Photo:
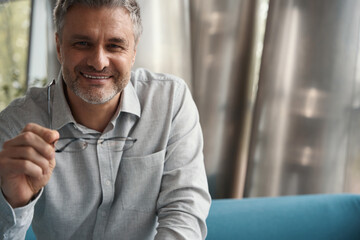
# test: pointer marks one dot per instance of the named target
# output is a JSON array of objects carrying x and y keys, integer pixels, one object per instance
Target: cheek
[
  {"x": 71, "y": 58},
  {"x": 122, "y": 64}
]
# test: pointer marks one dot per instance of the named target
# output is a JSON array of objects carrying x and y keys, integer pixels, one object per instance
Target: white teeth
[{"x": 94, "y": 77}]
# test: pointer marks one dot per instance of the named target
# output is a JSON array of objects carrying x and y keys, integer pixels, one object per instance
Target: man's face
[{"x": 96, "y": 50}]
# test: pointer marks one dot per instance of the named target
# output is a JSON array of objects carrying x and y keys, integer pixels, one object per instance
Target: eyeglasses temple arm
[{"x": 49, "y": 109}]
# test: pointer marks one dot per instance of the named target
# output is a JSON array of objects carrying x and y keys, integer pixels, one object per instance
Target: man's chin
[{"x": 96, "y": 98}]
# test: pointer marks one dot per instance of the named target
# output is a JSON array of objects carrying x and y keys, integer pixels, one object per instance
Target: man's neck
[{"x": 93, "y": 116}]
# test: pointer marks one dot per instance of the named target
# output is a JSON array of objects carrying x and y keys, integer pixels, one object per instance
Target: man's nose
[{"x": 98, "y": 59}]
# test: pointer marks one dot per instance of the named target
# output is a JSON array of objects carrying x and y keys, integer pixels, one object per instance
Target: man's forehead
[
  {"x": 83, "y": 20},
  {"x": 86, "y": 12}
]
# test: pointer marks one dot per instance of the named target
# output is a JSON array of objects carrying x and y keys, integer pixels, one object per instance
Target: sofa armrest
[{"x": 30, "y": 234}]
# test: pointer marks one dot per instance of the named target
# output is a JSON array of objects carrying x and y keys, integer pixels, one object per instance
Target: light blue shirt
[{"x": 155, "y": 190}]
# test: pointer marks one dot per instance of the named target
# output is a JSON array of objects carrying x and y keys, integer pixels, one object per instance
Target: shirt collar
[
  {"x": 129, "y": 100},
  {"x": 61, "y": 113}
]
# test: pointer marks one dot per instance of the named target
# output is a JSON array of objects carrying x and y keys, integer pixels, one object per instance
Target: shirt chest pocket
[{"x": 139, "y": 181}]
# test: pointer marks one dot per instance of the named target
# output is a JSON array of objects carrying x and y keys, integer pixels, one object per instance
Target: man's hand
[{"x": 26, "y": 164}]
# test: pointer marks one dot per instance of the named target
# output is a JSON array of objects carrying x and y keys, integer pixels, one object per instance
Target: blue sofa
[{"x": 330, "y": 217}]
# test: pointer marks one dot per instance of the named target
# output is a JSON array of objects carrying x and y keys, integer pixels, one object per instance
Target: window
[{"x": 14, "y": 42}]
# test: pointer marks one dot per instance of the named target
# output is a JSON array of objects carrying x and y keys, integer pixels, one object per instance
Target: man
[{"x": 102, "y": 152}]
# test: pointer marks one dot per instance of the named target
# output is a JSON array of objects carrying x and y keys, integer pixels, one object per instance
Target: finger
[
  {"x": 30, "y": 139},
  {"x": 52, "y": 164},
  {"x": 47, "y": 134},
  {"x": 13, "y": 167},
  {"x": 28, "y": 154}
]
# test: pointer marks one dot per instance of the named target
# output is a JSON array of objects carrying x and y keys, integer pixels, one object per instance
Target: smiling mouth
[{"x": 95, "y": 76}]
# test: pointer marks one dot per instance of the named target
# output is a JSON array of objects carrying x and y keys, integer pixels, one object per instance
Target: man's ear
[
  {"x": 58, "y": 47},
  {"x": 133, "y": 60},
  {"x": 134, "y": 57}
]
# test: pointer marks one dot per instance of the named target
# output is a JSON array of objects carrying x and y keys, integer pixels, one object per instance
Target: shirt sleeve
[
  {"x": 184, "y": 200},
  {"x": 15, "y": 222}
]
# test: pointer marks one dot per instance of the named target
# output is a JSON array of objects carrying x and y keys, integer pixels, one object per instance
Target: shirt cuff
[
  {"x": 21, "y": 216},
  {"x": 7, "y": 215},
  {"x": 25, "y": 214}
]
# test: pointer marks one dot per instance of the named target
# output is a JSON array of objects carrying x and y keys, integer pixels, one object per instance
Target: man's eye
[
  {"x": 82, "y": 44},
  {"x": 114, "y": 46}
]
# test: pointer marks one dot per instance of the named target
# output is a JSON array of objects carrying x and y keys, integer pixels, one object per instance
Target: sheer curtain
[
  {"x": 224, "y": 37},
  {"x": 305, "y": 137}
]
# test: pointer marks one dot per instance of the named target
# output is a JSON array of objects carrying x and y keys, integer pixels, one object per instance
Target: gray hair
[{"x": 131, "y": 6}]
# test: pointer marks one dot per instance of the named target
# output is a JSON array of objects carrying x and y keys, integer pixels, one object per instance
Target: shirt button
[{"x": 107, "y": 182}]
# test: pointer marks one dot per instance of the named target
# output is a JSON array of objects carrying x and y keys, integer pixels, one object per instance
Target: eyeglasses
[
  {"x": 73, "y": 144},
  {"x": 116, "y": 144}
]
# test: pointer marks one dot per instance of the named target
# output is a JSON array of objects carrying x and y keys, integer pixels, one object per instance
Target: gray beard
[
  {"x": 99, "y": 96},
  {"x": 89, "y": 97}
]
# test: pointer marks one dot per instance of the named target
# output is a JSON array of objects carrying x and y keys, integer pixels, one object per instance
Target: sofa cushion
[{"x": 324, "y": 216}]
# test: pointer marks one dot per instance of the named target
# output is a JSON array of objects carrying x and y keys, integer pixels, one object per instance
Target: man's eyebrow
[
  {"x": 122, "y": 41},
  {"x": 80, "y": 36}
]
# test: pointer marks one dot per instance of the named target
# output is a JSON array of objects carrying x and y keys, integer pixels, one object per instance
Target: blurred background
[{"x": 276, "y": 82}]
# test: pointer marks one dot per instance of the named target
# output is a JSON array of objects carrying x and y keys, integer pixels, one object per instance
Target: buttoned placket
[
  {"x": 107, "y": 179},
  {"x": 109, "y": 162}
]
